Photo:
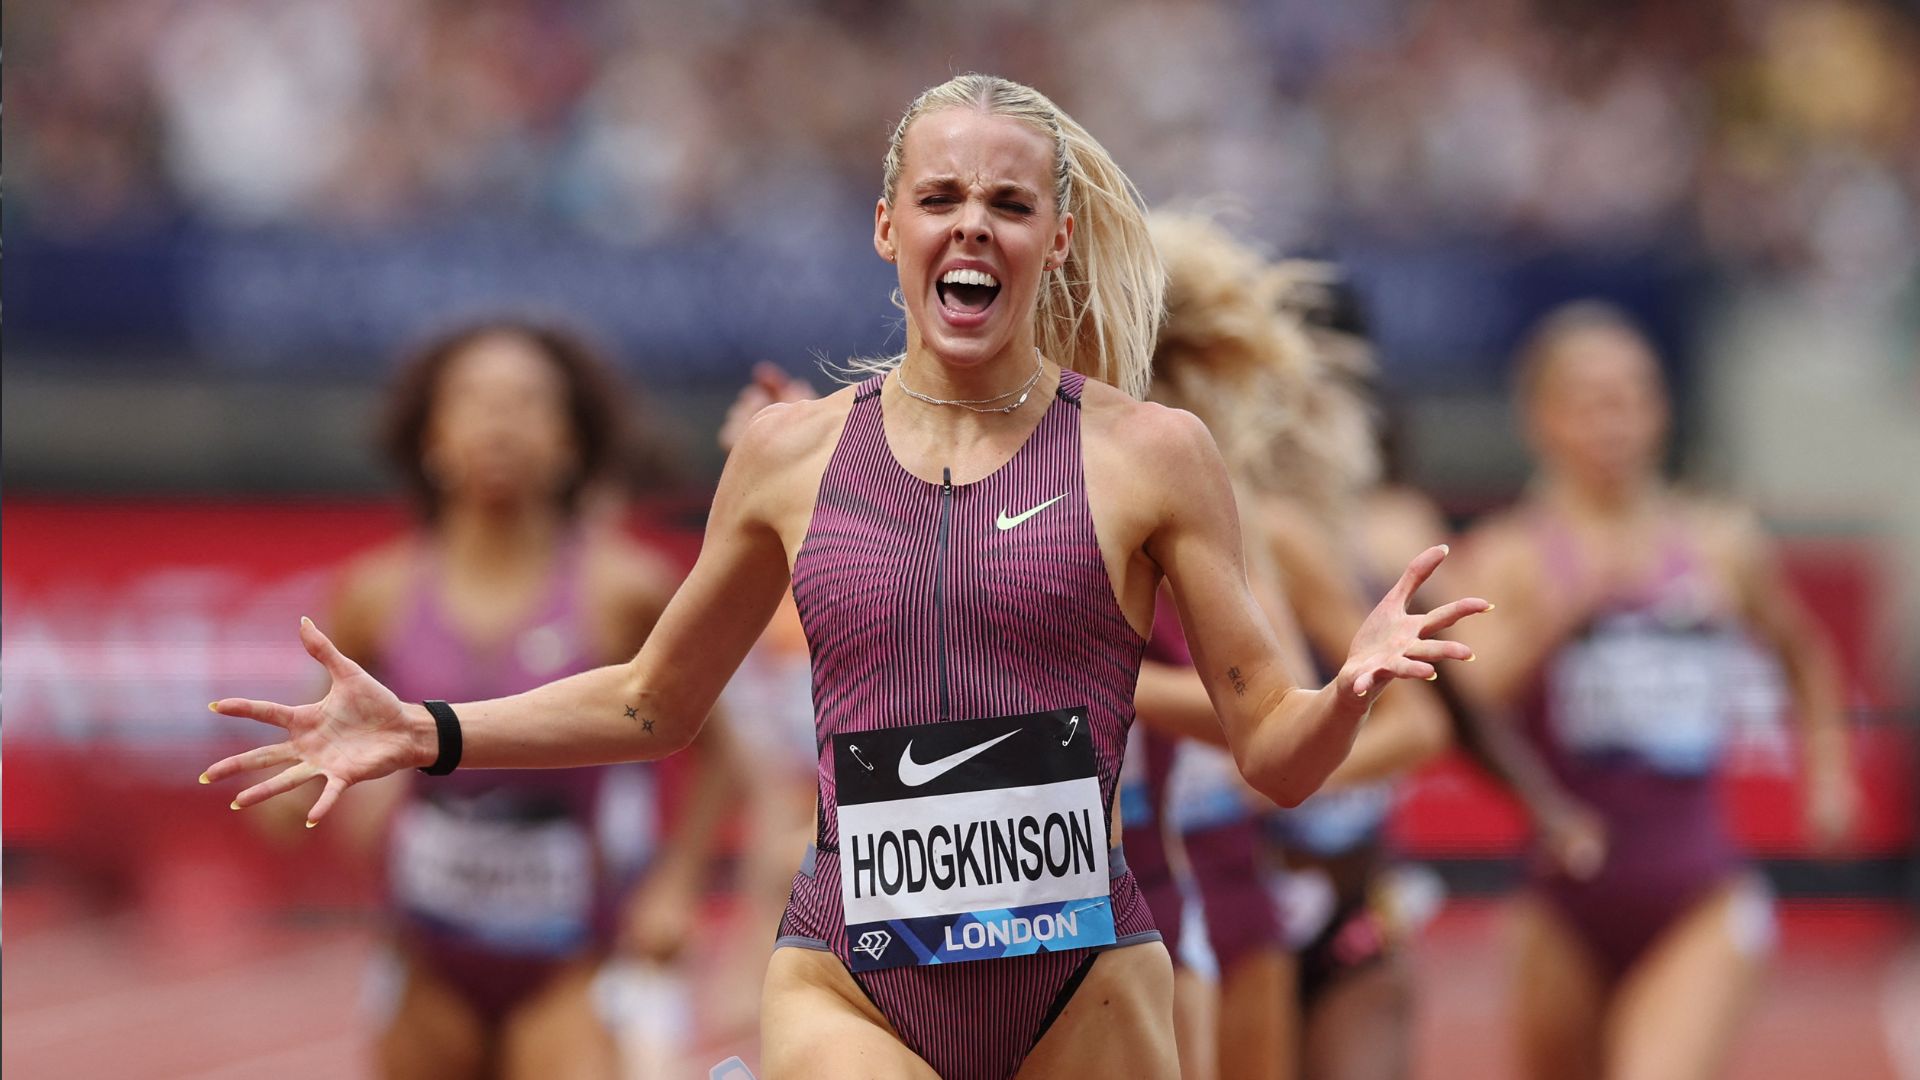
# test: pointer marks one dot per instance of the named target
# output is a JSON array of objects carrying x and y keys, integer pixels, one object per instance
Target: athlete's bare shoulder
[
  {"x": 1715, "y": 515},
  {"x": 369, "y": 593},
  {"x": 1504, "y": 530},
  {"x": 1146, "y": 437},
  {"x": 1502, "y": 551},
  {"x": 788, "y": 431},
  {"x": 628, "y": 585},
  {"x": 1147, "y": 466},
  {"x": 776, "y": 466},
  {"x": 628, "y": 567},
  {"x": 1729, "y": 532}
]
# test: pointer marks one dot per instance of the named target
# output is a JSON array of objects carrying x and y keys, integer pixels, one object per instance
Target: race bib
[
  {"x": 1644, "y": 691},
  {"x": 972, "y": 839},
  {"x": 517, "y": 886}
]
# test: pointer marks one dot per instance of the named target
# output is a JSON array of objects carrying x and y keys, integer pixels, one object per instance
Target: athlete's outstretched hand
[
  {"x": 357, "y": 732},
  {"x": 1395, "y": 644}
]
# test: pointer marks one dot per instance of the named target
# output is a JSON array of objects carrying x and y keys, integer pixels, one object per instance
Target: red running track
[{"x": 117, "y": 996}]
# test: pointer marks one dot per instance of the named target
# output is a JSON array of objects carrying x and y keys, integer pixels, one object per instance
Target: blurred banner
[
  {"x": 125, "y": 617},
  {"x": 286, "y": 302}
]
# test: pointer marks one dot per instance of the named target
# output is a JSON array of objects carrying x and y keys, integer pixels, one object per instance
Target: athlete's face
[
  {"x": 973, "y": 226},
  {"x": 1599, "y": 408},
  {"x": 499, "y": 431}
]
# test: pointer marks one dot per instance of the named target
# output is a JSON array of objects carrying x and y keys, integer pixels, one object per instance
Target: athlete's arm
[
  {"x": 1774, "y": 612},
  {"x": 1285, "y": 739},
  {"x": 1173, "y": 701},
  {"x": 1500, "y": 561},
  {"x": 646, "y": 708},
  {"x": 660, "y": 912},
  {"x": 1406, "y": 726}
]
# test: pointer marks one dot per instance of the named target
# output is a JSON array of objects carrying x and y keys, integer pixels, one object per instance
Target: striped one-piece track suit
[{"x": 939, "y": 602}]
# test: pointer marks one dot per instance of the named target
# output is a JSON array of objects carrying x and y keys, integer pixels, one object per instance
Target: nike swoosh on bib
[
  {"x": 914, "y": 773},
  {"x": 1004, "y": 522}
]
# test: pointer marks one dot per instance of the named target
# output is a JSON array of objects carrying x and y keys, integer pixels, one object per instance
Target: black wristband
[{"x": 448, "y": 726}]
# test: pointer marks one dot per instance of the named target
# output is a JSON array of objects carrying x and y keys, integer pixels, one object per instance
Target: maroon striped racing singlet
[{"x": 973, "y": 681}]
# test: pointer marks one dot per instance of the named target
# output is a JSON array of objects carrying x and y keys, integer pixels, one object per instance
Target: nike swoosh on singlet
[
  {"x": 914, "y": 773},
  {"x": 1004, "y": 522}
]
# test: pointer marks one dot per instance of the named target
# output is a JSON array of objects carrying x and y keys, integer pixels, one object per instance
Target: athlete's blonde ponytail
[
  {"x": 1289, "y": 412},
  {"x": 1098, "y": 313}
]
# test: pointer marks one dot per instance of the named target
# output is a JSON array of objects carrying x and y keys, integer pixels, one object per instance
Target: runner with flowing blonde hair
[{"x": 974, "y": 537}]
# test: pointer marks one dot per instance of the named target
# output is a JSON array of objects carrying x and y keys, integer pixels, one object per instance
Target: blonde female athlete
[
  {"x": 1285, "y": 402},
  {"x": 974, "y": 536}
]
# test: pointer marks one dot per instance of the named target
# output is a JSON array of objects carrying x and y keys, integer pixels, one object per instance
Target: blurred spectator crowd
[{"x": 1781, "y": 135}]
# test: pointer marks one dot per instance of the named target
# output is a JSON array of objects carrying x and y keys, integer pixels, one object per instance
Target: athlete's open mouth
[{"x": 968, "y": 291}]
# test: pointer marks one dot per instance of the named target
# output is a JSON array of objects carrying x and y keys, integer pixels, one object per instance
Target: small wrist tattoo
[{"x": 1239, "y": 681}]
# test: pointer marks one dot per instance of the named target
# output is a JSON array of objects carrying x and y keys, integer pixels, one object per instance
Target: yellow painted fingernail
[
  {"x": 304, "y": 621},
  {"x": 311, "y": 824},
  {"x": 213, "y": 706},
  {"x": 234, "y": 805},
  {"x": 1435, "y": 677},
  {"x": 1489, "y": 607},
  {"x": 1445, "y": 550},
  {"x": 1471, "y": 658},
  {"x": 205, "y": 779}
]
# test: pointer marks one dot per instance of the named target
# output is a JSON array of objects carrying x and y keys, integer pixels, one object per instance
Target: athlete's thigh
[
  {"x": 816, "y": 1022},
  {"x": 1360, "y": 1027},
  {"x": 1676, "y": 1013},
  {"x": 1259, "y": 1017},
  {"x": 1196, "y": 1001},
  {"x": 433, "y": 1033},
  {"x": 1558, "y": 998},
  {"x": 558, "y": 1032},
  {"x": 1118, "y": 1023}
]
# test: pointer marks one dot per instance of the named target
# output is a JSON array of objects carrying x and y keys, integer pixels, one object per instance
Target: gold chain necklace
[{"x": 979, "y": 405}]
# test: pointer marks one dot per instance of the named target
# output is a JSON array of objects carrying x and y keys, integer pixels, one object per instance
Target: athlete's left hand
[{"x": 1395, "y": 644}]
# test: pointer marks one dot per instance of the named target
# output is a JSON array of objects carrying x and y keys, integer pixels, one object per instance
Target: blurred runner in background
[
  {"x": 1348, "y": 908},
  {"x": 1625, "y": 605},
  {"x": 769, "y": 704},
  {"x": 509, "y": 890},
  {"x": 1285, "y": 404}
]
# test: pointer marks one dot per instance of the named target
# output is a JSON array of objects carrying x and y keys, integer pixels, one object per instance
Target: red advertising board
[{"x": 124, "y": 617}]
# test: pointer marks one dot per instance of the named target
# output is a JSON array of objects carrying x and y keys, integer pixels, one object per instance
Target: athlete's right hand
[
  {"x": 1575, "y": 838},
  {"x": 359, "y": 731}
]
